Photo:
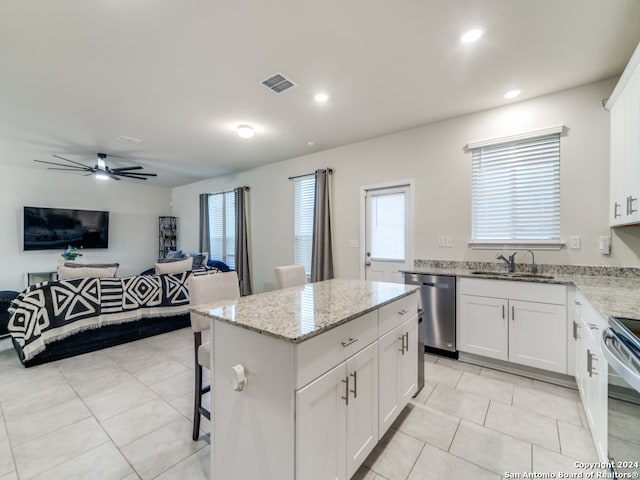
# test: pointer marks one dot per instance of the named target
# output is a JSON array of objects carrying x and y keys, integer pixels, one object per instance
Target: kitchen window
[
  {"x": 222, "y": 227},
  {"x": 305, "y": 196},
  {"x": 516, "y": 190}
]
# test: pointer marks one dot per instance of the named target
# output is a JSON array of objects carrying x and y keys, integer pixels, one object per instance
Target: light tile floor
[{"x": 124, "y": 413}]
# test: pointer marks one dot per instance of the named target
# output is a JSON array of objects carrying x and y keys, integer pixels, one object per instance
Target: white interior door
[{"x": 387, "y": 229}]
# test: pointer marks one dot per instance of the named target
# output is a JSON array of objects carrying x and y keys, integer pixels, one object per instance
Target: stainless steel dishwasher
[{"x": 438, "y": 300}]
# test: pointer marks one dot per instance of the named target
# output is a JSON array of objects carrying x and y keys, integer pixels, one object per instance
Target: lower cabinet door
[
  {"x": 362, "y": 410},
  {"x": 321, "y": 427},
  {"x": 389, "y": 369},
  {"x": 409, "y": 360},
  {"x": 483, "y": 326},
  {"x": 538, "y": 335}
]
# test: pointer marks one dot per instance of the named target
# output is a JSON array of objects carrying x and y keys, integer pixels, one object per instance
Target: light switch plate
[
  {"x": 574, "y": 241},
  {"x": 441, "y": 241},
  {"x": 449, "y": 240}
]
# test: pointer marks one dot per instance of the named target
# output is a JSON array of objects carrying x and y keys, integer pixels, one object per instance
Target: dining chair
[
  {"x": 206, "y": 289},
  {"x": 290, "y": 276}
]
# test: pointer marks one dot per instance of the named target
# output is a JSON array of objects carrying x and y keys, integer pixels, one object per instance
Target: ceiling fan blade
[
  {"x": 137, "y": 173},
  {"x": 132, "y": 176},
  {"x": 122, "y": 169},
  {"x": 69, "y": 169},
  {"x": 72, "y": 161},
  {"x": 112, "y": 176},
  {"x": 61, "y": 164}
]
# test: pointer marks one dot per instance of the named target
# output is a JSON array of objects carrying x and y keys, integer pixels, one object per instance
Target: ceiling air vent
[{"x": 278, "y": 83}]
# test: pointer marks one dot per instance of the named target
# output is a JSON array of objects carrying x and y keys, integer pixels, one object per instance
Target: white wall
[
  {"x": 433, "y": 155},
  {"x": 133, "y": 220}
]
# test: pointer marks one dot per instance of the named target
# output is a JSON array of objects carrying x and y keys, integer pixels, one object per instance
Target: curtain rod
[
  {"x": 329, "y": 170},
  {"x": 227, "y": 191}
]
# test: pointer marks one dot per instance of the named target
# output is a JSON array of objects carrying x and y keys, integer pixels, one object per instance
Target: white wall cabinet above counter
[{"x": 624, "y": 188}]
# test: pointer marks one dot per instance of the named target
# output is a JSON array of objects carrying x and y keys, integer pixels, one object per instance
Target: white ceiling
[{"x": 75, "y": 75}]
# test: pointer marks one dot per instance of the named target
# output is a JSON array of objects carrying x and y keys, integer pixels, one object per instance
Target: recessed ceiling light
[
  {"x": 245, "y": 130},
  {"x": 471, "y": 36},
  {"x": 512, "y": 94},
  {"x": 321, "y": 97}
]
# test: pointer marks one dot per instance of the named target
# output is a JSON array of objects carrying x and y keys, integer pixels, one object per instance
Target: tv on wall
[{"x": 54, "y": 228}]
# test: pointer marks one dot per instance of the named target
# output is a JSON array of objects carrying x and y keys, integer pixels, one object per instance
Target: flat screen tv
[{"x": 55, "y": 228}]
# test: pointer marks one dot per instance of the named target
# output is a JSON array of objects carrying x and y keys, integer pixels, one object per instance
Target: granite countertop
[
  {"x": 299, "y": 313},
  {"x": 612, "y": 291}
]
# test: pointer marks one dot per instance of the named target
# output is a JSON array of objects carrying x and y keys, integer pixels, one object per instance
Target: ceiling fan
[{"x": 100, "y": 170}]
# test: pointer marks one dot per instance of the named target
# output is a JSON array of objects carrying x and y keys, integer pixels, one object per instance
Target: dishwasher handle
[{"x": 436, "y": 285}]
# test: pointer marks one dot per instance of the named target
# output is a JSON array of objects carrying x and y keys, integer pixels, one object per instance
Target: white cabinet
[
  {"x": 514, "y": 321},
  {"x": 337, "y": 419},
  {"x": 398, "y": 371},
  {"x": 483, "y": 326},
  {"x": 592, "y": 371},
  {"x": 624, "y": 188}
]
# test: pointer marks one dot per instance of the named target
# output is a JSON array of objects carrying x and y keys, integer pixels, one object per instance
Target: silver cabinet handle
[
  {"x": 503, "y": 312},
  {"x": 355, "y": 384},
  {"x": 575, "y": 331},
  {"x": 631, "y": 209},
  {"x": 401, "y": 338},
  {"x": 349, "y": 342},
  {"x": 593, "y": 326},
  {"x": 616, "y": 206},
  {"x": 403, "y": 312},
  {"x": 577, "y": 302},
  {"x": 346, "y": 397},
  {"x": 513, "y": 312},
  {"x": 406, "y": 335},
  {"x": 590, "y": 359}
]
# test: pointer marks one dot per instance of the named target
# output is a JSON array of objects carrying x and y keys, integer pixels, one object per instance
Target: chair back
[
  {"x": 210, "y": 288},
  {"x": 290, "y": 276}
]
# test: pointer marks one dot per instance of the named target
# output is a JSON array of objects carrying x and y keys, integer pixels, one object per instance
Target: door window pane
[{"x": 388, "y": 227}]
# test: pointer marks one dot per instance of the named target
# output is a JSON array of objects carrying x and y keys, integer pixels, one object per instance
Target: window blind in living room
[
  {"x": 305, "y": 194},
  {"x": 222, "y": 227}
]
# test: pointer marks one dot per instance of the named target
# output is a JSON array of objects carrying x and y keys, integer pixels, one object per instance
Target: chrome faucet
[
  {"x": 533, "y": 262},
  {"x": 510, "y": 262}
]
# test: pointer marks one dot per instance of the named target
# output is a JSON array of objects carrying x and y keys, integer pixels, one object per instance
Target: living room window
[
  {"x": 222, "y": 227},
  {"x": 516, "y": 190},
  {"x": 305, "y": 195}
]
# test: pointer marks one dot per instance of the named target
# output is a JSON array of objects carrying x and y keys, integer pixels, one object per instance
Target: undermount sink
[{"x": 512, "y": 275}]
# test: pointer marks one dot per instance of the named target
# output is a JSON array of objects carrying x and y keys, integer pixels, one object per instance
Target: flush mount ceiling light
[
  {"x": 321, "y": 97},
  {"x": 245, "y": 130},
  {"x": 472, "y": 35},
  {"x": 512, "y": 94}
]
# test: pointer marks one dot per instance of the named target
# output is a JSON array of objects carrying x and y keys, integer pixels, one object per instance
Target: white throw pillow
[
  {"x": 65, "y": 273},
  {"x": 174, "y": 267}
]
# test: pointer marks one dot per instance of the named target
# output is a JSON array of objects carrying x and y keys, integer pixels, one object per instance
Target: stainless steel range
[{"x": 621, "y": 348}]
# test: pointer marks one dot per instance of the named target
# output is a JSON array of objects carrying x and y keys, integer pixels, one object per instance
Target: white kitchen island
[{"x": 329, "y": 366}]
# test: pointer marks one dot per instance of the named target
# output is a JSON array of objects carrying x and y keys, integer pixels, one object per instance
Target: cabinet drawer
[
  {"x": 321, "y": 353},
  {"x": 395, "y": 313}
]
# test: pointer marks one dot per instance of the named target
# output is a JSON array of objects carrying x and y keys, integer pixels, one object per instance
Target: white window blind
[
  {"x": 516, "y": 191},
  {"x": 305, "y": 195},
  {"x": 222, "y": 227}
]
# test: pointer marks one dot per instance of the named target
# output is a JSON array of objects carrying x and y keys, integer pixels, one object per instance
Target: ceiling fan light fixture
[
  {"x": 101, "y": 176},
  {"x": 245, "y": 130}
]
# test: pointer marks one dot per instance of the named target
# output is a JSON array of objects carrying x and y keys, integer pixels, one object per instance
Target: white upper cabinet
[{"x": 624, "y": 188}]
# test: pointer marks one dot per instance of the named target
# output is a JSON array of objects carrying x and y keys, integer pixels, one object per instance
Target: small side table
[{"x": 37, "y": 277}]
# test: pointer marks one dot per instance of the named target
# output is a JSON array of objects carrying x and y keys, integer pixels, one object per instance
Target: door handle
[
  {"x": 355, "y": 384},
  {"x": 349, "y": 342},
  {"x": 346, "y": 397},
  {"x": 367, "y": 263}
]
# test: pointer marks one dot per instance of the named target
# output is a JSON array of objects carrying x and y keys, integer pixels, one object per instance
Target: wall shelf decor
[{"x": 167, "y": 237}]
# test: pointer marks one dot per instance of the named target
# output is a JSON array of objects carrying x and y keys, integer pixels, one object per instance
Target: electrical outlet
[
  {"x": 449, "y": 240},
  {"x": 574, "y": 241},
  {"x": 441, "y": 241}
]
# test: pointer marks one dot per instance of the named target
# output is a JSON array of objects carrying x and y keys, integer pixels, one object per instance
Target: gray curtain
[
  {"x": 204, "y": 222},
  {"x": 242, "y": 241},
  {"x": 321, "y": 251}
]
